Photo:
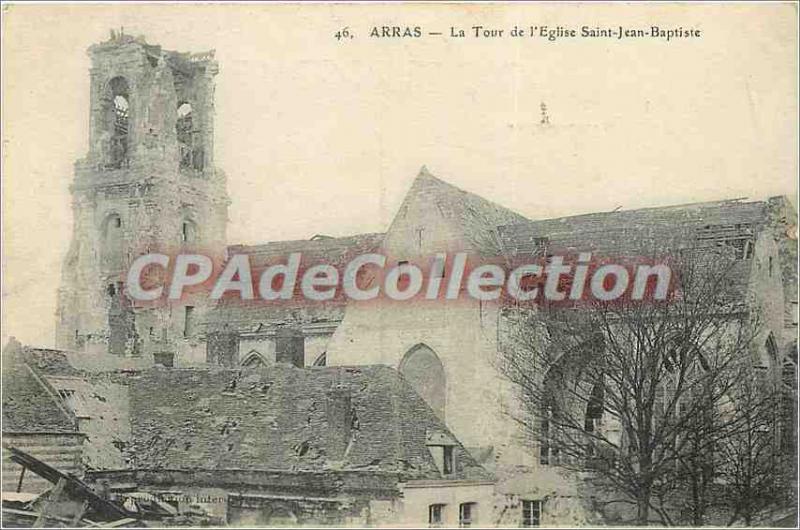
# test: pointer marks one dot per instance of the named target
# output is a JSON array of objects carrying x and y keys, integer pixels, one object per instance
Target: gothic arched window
[
  {"x": 424, "y": 371},
  {"x": 117, "y": 115},
  {"x": 254, "y": 359}
]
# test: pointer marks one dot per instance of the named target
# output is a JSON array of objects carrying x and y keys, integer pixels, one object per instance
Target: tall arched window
[
  {"x": 424, "y": 371},
  {"x": 771, "y": 347},
  {"x": 117, "y": 112}
]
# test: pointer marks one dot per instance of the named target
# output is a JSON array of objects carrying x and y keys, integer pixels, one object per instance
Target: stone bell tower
[{"x": 147, "y": 184}]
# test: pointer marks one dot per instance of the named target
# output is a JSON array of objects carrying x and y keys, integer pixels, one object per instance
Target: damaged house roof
[
  {"x": 30, "y": 403},
  {"x": 98, "y": 398},
  {"x": 280, "y": 419}
]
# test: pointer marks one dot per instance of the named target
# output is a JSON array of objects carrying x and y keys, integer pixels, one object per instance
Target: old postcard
[{"x": 399, "y": 265}]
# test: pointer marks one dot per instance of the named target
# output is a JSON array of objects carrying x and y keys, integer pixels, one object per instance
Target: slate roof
[
  {"x": 476, "y": 217},
  {"x": 275, "y": 419},
  {"x": 332, "y": 250},
  {"x": 247, "y": 316},
  {"x": 50, "y": 362},
  {"x": 633, "y": 233},
  {"x": 30, "y": 404}
]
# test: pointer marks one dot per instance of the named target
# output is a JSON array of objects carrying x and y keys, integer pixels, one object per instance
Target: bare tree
[
  {"x": 622, "y": 392},
  {"x": 751, "y": 463}
]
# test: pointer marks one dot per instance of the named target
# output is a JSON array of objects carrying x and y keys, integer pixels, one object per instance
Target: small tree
[{"x": 622, "y": 391}]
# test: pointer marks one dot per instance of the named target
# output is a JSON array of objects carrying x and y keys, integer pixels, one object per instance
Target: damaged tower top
[
  {"x": 150, "y": 105},
  {"x": 148, "y": 183}
]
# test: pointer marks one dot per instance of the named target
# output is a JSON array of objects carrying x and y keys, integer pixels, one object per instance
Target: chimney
[
  {"x": 222, "y": 347},
  {"x": 290, "y": 346},
  {"x": 339, "y": 416}
]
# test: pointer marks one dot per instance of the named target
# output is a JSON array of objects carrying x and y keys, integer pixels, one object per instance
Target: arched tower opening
[
  {"x": 189, "y": 138},
  {"x": 116, "y": 106}
]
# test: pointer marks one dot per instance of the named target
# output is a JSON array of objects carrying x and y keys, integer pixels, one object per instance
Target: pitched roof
[
  {"x": 275, "y": 419},
  {"x": 50, "y": 362},
  {"x": 332, "y": 250},
  {"x": 30, "y": 404},
  {"x": 633, "y": 233},
  {"x": 475, "y": 216},
  {"x": 245, "y": 316}
]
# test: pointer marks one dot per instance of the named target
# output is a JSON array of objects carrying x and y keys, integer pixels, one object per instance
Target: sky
[{"x": 324, "y": 136}]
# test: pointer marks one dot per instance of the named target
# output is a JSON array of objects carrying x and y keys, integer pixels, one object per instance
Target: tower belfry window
[
  {"x": 118, "y": 123},
  {"x": 189, "y": 140}
]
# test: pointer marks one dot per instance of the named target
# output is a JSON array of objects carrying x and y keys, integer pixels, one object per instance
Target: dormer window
[
  {"x": 442, "y": 447},
  {"x": 448, "y": 460}
]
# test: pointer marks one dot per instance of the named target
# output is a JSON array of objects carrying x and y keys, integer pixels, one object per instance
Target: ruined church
[{"x": 149, "y": 183}]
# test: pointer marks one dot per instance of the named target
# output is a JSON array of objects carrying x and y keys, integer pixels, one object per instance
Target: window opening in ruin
[
  {"x": 531, "y": 513},
  {"x": 119, "y": 127},
  {"x": 189, "y": 144},
  {"x": 112, "y": 243},
  {"x": 184, "y": 131},
  {"x": 165, "y": 359},
  {"x": 188, "y": 232},
  {"x": 467, "y": 514},
  {"x": 549, "y": 451},
  {"x": 188, "y": 321},
  {"x": 435, "y": 515}
]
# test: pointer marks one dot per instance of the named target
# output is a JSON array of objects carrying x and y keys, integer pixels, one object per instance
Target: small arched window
[{"x": 117, "y": 113}]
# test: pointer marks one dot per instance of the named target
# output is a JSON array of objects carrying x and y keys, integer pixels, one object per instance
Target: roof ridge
[
  {"x": 322, "y": 240},
  {"x": 737, "y": 201}
]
